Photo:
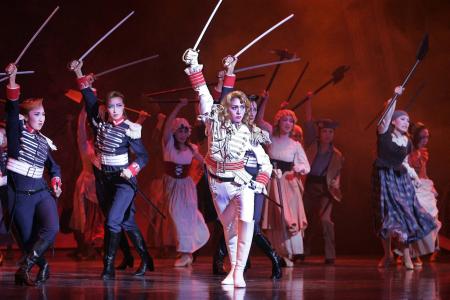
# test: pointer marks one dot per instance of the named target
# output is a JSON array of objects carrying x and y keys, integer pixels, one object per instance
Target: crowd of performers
[{"x": 272, "y": 183}]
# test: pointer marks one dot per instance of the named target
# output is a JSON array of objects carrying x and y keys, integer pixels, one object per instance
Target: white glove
[
  {"x": 417, "y": 183},
  {"x": 258, "y": 187},
  {"x": 278, "y": 173},
  {"x": 399, "y": 90},
  {"x": 190, "y": 57},
  {"x": 57, "y": 191},
  {"x": 126, "y": 173}
]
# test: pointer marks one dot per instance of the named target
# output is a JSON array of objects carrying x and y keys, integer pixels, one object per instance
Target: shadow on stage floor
[{"x": 350, "y": 278}]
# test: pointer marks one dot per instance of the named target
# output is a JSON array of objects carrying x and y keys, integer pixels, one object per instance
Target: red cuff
[
  {"x": 262, "y": 178},
  {"x": 85, "y": 81},
  {"x": 197, "y": 79},
  {"x": 12, "y": 93},
  {"x": 56, "y": 182},
  {"x": 229, "y": 80},
  {"x": 134, "y": 168}
]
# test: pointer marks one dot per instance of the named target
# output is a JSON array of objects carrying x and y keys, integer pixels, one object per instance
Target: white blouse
[{"x": 290, "y": 151}]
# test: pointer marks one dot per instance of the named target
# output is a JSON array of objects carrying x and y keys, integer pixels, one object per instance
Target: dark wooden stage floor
[{"x": 351, "y": 278}]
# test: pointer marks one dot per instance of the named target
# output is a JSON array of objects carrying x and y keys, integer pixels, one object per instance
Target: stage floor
[{"x": 350, "y": 278}]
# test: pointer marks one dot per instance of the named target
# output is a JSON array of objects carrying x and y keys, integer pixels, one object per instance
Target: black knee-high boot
[
  {"x": 219, "y": 255},
  {"x": 23, "y": 275},
  {"x": 263, "y": 243},
  {"x": 128, "y": 259},
  {"x": 112, "y": 240},
  {"x": 139, "y": 243}
]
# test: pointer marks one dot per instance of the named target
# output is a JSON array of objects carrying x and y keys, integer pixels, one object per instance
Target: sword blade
[
  {"x": 263, "y": 35},
  {"x": 35, "y": 35},
  {"x": 274, "y": 63},
  {"x": 125, "y": 65},
  {"x": 207, "y": 24},
  {"x": 105, "y": 36}
]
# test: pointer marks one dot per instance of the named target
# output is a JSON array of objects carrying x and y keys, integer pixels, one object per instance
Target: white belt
[
  {"x": 24, "y": 168},
  {"x": 114, "y": 160}
]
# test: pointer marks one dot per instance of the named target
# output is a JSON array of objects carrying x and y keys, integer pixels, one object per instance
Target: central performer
[{"x": 230, "y": 135}]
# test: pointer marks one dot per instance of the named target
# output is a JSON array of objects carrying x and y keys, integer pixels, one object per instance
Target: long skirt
[
  {"x": 285, "y": 234},
  {"x": 397, "y": 212},
  {"x": 181, "y": 198},
  {"x": 426, "y": 194},
  {"x": 87, "y": 217}
]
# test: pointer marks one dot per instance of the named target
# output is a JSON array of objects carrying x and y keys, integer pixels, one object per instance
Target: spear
[
  {"x": 421, "y": 53},
  {"x": 336, "y": 76}
]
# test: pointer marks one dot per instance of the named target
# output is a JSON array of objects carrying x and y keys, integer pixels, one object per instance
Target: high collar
[
  {"x": 30, "y": 129},
  {"x": 118, "y": 122}
]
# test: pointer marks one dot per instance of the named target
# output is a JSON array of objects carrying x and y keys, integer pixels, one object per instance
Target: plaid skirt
[{"x": 398, "y": 213}]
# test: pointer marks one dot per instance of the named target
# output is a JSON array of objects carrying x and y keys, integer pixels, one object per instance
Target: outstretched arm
[
  {"x": 167, "y": 132},
  {"x": 85, "y": 86},
  {"x": 260, "y": 121},
  {"x": 12, "y": 112},
  {"x": 310, "y": 133},
  {"x": 384, "y": 126},
  {"x": 194, "y": 71}
]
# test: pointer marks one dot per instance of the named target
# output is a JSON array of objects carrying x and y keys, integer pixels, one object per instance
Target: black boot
[
  {"x": 248, "y": 264},
  {"x": 263, "y": 243},
  {"x": 23, "y": 275},
  {"x": 44, "y": 270},
  {"x": 112, "y": 240},
  {"x": 128, "y": 259},
  {"x": 219, "y": 256},
  {"x": 146, "y": 260}
]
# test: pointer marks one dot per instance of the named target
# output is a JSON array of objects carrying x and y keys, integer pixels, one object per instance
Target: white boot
[
  {"x": 232, "y": 245},
  {"x": 245, "y": 236}
]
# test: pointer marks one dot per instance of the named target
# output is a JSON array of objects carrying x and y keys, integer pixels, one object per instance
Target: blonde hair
[
  {"x": 276, "y": 120},
  {"x": 226, "y": 103}
]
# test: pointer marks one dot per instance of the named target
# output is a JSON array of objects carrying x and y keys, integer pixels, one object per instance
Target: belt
[
  {"x": 30, "y": 192},
  {"x": 114, "y": 160},
  {"x": 221, "y": 179},
  {"x": 24, "y": 168},
  {"x": 284, "y": 166},
  {"x": 221, "y": 166}
]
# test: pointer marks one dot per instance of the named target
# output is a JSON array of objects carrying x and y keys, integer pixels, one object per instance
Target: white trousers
[{"x": 232, "y": 202}]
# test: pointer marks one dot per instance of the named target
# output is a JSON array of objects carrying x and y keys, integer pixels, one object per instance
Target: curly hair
[
  {"x": 226, "y": 103},
  {"x": 276, "y": 120}
]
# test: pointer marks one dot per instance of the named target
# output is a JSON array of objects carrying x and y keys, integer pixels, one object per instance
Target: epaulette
[
  {"x": 260, "y": 137},
  {"x": 133, "y": 130}
]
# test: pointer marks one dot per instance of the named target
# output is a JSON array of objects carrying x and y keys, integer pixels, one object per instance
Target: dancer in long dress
[
  {"x": 398, "y": 213},
  {"x": 285, "y": 227},
  {"x": 179, "y": 188},
  {"x": 87, "y": 218},
  {"x": 425, "y": 192}
]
